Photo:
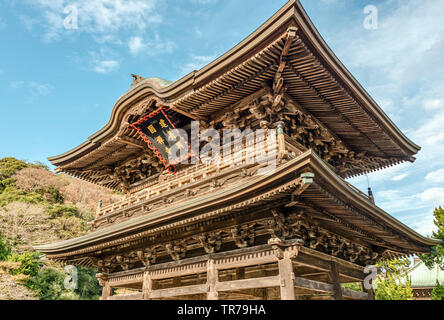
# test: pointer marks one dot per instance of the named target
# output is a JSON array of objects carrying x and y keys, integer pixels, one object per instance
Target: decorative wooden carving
[
  {"x": 279, "y": 226},
  {"x": 147, "y": 256},
  {"x": 211, "y": 241},
  {"x": 243, "y": 236},
  {"x": 177, "y": 249}
]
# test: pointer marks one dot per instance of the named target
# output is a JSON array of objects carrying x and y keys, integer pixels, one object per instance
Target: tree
[
  {"x": 437, "y": 255},
  {"x": 438, "y": 292},
  {"x": 392, "y": 282},
  {"x": 5, "y": 248}
]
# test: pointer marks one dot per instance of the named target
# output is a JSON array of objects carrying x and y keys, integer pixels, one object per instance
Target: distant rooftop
[{"x": 423, "y": 277}]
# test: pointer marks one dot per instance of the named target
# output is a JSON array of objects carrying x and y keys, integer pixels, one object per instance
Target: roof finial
[
  {"x": 136, "y": 79},
  {"x": 370, "y": 192}
]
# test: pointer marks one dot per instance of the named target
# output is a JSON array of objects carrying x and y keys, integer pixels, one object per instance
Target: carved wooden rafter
[
  {"x": 177, "y": 249},
  {"x": 275, "y": 105},
  {"x": 286, "y": 226},
  {"x": 211, "y": 241},
  {"x": 243, "y": 236}
]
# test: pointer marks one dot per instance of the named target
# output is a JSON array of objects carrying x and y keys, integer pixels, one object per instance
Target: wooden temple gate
[
  {"x": 224, "y": 231},
  {"x": 275, "y": 271}
]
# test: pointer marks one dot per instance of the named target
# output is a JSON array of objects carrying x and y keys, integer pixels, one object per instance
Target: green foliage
[
  {"x": 67, "y": 221},
  {"x": 62, "y": 210},
  {"x": 392, "y": 282},
  {"x": 29, "y": 263},
  {"x": 353, "y": 286},
  {"x": 437, "y": 257},
  {"x": 8, "y": 166},
  {"x": 438, "y": 292},
  {"x": 48, "y": 284},
  {"x": 5, "y": 248},
  {"x": 8, "y": 192},
  {"x": 88, "y": 288},
  {"x": 11, "y": 194},
  {"x": 51, "y": 194}
]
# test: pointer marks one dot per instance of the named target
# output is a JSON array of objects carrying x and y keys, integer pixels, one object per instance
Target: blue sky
[{"x": 58, "y": 85}]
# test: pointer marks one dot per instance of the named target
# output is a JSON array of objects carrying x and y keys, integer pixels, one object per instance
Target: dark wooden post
[{"x": 334, "y": 278}]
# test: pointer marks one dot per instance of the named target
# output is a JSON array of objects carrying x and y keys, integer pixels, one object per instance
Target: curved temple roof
[
  {"x": 334, "y": 96},
  {"x": 359, "y": 211},
  {"x": 316, "y": 80}
]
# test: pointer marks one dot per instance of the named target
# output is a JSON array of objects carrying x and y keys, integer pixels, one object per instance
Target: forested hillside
[{"x": 39, "y": 207}]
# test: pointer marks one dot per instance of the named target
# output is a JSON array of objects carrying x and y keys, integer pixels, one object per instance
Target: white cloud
[
  {"x": 41, "y": 89},
  {"x": 204, "y": 2},
  {"x": 105, "y": 66},
  {"x": 408, "y": 42},
  {"x": 400, "y": 177},
  {"x": 424, "y": 224},
  {"x": 431, "y": 133},
  {"x": 434, "y": 196},
  {"x": 17, "y": 84},
  {"x": 104, "y": 61},
  {"x": 434, "y": 104},
  {"x": 135, "y": 45},
  {"x": 196, "y": 63},
  {"x": 31, "y": 90},
  {"x": 102, "y": 17},
  {"x": 436, "y": 176},
  {"x": 153, "y": 46}
]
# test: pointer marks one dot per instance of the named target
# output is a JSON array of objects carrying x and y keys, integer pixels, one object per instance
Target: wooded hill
[{"x": 40, "y": 207}]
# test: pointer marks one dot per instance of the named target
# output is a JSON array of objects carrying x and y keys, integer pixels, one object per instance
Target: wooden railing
[{"x": 168, "y": 183}]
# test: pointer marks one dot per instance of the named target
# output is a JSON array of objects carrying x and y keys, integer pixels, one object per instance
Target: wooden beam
[
  {"x": 187, "y": 114},
  {"x": 313, "y": 285},
  {"x": 176, "y": 292},
  {"x": 132, "y": 142},
  {"x": 132, "y": 296},
  {"x": 327, "y": 288},
  {"x": 255, "y": 283},
  {"x": 319, "y": 261},
  {"x": 353, "y": 294},
  {"x": 125, "y": 283}
]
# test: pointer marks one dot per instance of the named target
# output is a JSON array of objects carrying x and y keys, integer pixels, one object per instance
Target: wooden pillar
[
  {"x": 334, "y": 278},
  {"x": 371, "y": 292},
  {"x": 287, "y": 278},
  {"x": 212, "y": 279},
  {"x": 106, "y": 291},
  {"x": 147, "y": 285}
]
